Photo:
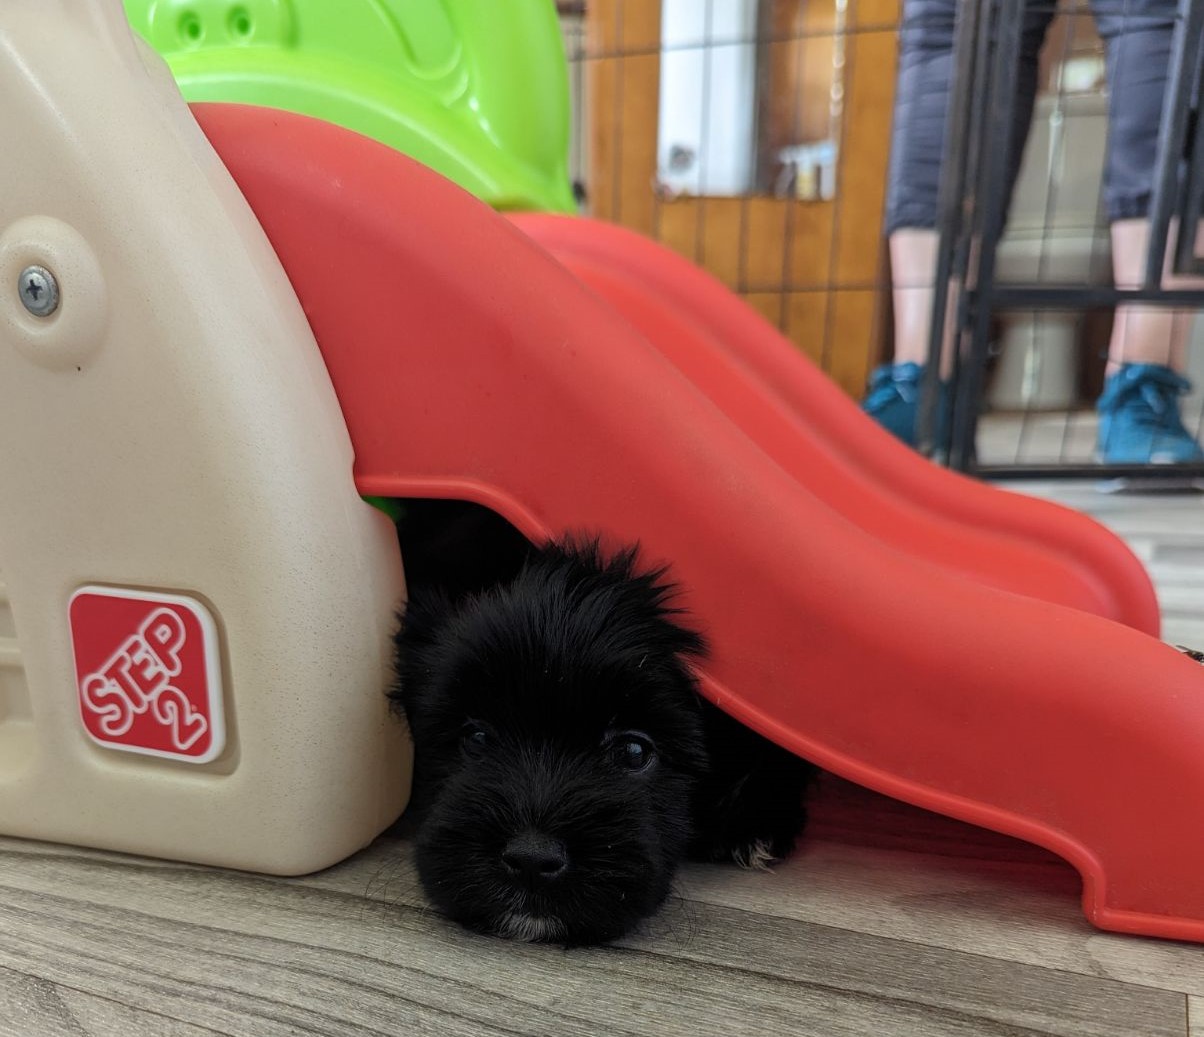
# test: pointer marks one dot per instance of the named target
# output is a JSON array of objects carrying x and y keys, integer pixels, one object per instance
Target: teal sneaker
[
  {"x": 893, "y": 400},
  {"x": 1139, "y": 420}
]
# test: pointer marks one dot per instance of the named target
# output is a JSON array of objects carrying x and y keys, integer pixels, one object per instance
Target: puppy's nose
[{"x": 535, "y": 856}]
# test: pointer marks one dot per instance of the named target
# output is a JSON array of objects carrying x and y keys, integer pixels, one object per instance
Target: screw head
[{"x": 39, "y": 291}]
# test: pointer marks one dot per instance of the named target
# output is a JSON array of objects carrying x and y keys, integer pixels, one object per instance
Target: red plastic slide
[
  {"x": 468, "y": 362},
  {"x": 792, "y": 409}
]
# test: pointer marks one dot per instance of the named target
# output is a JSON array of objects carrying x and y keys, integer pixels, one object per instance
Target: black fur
[{"x": 565, "y": 762}]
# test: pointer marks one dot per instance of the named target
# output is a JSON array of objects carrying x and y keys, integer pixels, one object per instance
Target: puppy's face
[{"x": 558, "y": 743}]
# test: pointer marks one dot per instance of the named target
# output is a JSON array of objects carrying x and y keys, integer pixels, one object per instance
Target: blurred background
[{"x": 753, "y": 136}]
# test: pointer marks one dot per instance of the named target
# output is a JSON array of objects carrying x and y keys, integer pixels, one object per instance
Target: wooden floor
[{"x": 889, "y": 921}]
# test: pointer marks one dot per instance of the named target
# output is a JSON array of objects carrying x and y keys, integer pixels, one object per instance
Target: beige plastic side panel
[{"x": 172, "y": 428}]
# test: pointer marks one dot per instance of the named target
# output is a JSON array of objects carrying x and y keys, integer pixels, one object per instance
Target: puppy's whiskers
[
  {"x": 393, "y": 883},
  {"x": 677, "y": 921}
]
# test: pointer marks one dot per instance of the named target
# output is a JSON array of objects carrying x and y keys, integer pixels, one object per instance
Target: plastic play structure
[
  {"x": 435, "y": 79},
  {"x": 749, "y": 370},
  {"x": 261, "y": 316}
]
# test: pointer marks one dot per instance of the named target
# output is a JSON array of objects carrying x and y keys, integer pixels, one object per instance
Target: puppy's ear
[
  {"x": 656, "y": 592},
  {"x": 420, "y": 622}
]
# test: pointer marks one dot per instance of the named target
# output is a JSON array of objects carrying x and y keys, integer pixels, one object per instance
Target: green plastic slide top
[{"x": 475, "y": 89}]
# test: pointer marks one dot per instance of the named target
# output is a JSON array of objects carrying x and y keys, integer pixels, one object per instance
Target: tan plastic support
[{"x": 171, "y": 428}]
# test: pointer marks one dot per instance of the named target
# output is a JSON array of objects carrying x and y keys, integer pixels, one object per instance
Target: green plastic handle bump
[{"x": 475, "y": 89}]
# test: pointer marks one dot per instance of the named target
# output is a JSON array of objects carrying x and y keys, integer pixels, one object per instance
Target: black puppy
[{"x": 565, "y": 762}]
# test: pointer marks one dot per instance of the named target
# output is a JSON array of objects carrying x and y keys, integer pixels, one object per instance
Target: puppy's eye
[
  {"x": 631, "y": 751},
  {"x": 474, "y": 739}
]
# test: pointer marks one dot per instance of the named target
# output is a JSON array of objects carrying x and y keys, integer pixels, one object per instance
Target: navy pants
[{"x": 1137, "y": 35}]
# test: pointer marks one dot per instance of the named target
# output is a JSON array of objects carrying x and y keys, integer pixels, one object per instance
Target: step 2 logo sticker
[{"x": 148, "y": 673}]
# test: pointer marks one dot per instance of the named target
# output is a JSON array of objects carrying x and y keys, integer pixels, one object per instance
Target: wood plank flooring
[{"x": 889, "y": 921}]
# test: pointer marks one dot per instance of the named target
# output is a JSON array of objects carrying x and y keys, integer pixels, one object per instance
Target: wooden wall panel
[
  {"x": 811, "y": 267},
  {"x": 639, "y": 26},
  {"x": 874, "y": 14},
  {"x": 677, "y": 225},
  {"x": 807, "y": 321},
  {"x": 719, "y": 234},
  {"x": 861, "y": 176},
  {"x": 852, "y": 327},
  {"x": 605, "y": 142},
  {"x": 769, "y": 305},
  {"x": 809, "y": 259},
  {"x": 638, "y": 88},
  {"x": 602, "y": 88},
  {"x": 764, "y": 245}
]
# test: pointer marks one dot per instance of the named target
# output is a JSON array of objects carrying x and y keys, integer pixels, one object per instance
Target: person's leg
[
  {"x": 926, "y": 34},
  {"x": 926, "y": 38},
  {"x": 912, "y": 262},
  {"x": 1139, "y": 412},
  {"x": 926, "y": 61},
  {"x": 1145, "y": 334}
]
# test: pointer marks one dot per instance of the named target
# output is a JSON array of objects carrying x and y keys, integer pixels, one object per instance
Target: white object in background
[
  {"x": 1055, "y": 235},
  {"x": 808, "y": 171},
  {"x": 705, "y": 140}
]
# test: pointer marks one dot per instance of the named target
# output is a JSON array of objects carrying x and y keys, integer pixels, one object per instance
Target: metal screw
[{"x": 39, "y": 291}]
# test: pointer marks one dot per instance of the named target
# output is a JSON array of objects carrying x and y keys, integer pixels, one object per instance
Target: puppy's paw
[
  {"x": 752, "y": 803},
  {"x": 756, "y": 857},
  {"x": 756, "y": 837}
]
